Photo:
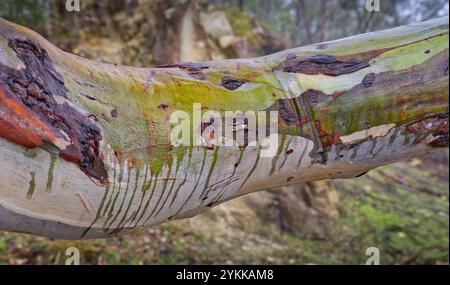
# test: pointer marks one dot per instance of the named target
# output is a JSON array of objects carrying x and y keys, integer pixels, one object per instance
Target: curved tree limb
[{"x": 86, "y": 151}]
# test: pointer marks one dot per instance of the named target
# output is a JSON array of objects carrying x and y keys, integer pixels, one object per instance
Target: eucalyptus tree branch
[{"x": 87, "y": 149}]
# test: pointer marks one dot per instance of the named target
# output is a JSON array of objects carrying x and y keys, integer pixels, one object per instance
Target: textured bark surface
[{"x": 85, "y": 146}]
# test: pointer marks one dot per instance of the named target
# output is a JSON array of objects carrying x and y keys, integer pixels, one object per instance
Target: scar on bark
[
  {"x": 437, "y": 126},
  {"x": 441, "y": 132},
  {"x": 323, "y": 64},
  {"x": 231, "y": 83},
  {"x": 33, "y": 90},
  {"x": 368, "y": 80},
  {"x": 195, "y": 70}
]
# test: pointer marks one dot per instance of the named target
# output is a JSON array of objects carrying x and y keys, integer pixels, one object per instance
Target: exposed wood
[{"x": 85, "y": 149}]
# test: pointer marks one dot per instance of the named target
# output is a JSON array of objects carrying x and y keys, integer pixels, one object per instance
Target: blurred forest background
[{"x": 403, "y": 209}]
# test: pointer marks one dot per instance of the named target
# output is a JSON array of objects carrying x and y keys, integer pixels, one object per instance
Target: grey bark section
[{"x": 10, "y": 221}]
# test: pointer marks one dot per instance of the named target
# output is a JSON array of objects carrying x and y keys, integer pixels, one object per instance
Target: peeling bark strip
[
  {"x": 36, "y": 86},
  {"x": 441, "y": 133},
  {"x": 403, "y": 93},
  {"x": 324, "y": 64},
  {"x": 435, "y": 125}
]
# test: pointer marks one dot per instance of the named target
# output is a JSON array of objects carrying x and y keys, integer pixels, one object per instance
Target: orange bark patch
[{"x": 18, "y": 125}]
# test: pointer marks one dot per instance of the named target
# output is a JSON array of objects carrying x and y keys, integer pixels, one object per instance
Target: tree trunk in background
[
  {"x": 241, "y": 5},
  {"x": 303, "y": 21},
  {"x": 85, "y": 146},
  {"x": 168, "y": 32}
]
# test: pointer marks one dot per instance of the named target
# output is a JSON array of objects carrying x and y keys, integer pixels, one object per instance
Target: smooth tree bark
[{"x": 85, "y": 149}]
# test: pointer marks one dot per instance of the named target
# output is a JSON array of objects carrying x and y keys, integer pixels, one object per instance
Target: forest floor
[{"x": 402, "y": 209}]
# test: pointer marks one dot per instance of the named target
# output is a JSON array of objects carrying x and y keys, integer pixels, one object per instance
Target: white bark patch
[
  {"x": 373, "y": 132},
  {"x": 289, "y": 83},
  {"x": 60, "y": 203},
  {"x": 75, "y": 202},
  {"x": 9, "y": 58},
  {"x": 61, "y": 143}
]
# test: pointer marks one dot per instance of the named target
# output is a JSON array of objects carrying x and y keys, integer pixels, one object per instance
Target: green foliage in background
[
  {"x": 33, "y": 13},
  {"x": 333, "y": 19}
]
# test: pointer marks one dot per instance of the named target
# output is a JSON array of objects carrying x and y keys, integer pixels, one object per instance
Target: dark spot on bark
[
  {"x": 313, "y": 97},
  {"x": 289, "y": 179},
  {"x": 427, "y": 51},
  {"x": 163, "y": 106},
  {"x": 361, "y": 174},
  {"x": 205, "y": 124},
  {"x": 193, "y": 66},
  {"x": 197, "y": 75},
  {"x": 441, "y": 141},
  {"x": 117, "y": 154},
  {"x": 322, "y": 46},
  {"x": 291, "y": 56},
  {"x": 186, "y": 65},
  {"x": 289, "y": 151},
  {"x": 36, "y": 87},
  {"x": 204, "y": 198},
  {"x": 236, "y": 165},
  {"x": 368, "y": 80},
  {"x": 193, "y": 69},
  {"x": 93, "y": 117},
  {"x": 231, "y": 83},
  {"x": 324, "y": 64},
  {"x": 89, "y": 97},
  {"x": 210, "y": 205},
  {"x": 285, "y": 113},
  {"x": 289, "y": 111},
  {"x": 323, "y": 58},
  {"x": 114, "y": 113}
]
